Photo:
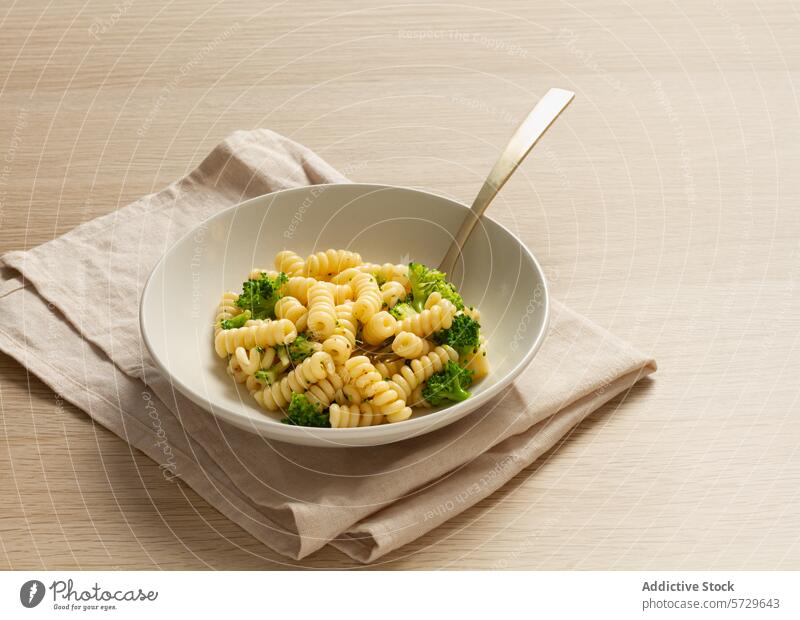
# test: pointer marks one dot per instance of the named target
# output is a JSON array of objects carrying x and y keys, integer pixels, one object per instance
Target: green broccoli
[
  {"x": 425, "y": 281},
  {"x": 302, "y": 412},
  {"x": 300, "y": 348},
  {"x": 238, "y": 321},
  {"x": 449, "y": 384},
  {"x": 402, "y": 310},
  {"x": 259, "y": 295},
  {"x": 463, "y": 335},
  {"x": 268, "y": 376}
]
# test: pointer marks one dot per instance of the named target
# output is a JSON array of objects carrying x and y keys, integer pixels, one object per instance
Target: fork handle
[{"x": 521, "y": 143}]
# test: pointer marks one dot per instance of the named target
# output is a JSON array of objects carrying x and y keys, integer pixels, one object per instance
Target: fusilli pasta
[
  {"x": 313, "y": 370},
  {"x": 289, "y": 263},
  {"x": 321, "y": 310},
  {"x": 290, "y": 308},
  {"x": 255, "y": 334},
  {"x": 351, "y": 416},
  {"x": 379, "y": 327},
  {"x": 433, "y": 319},
  {"x": 419, "y": 370},
  {"x": 368, "y": 296},
  {"x": 367, "y": 349},
  {"x": 324, "y": 265}
]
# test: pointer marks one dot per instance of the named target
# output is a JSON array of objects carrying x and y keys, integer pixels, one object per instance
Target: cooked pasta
[
  {"x": 321, "y": 310},
  {"x": 342, "y": 293},
  {"x": 227, "y": 310},
  {"x": 362, "y": 374},
  {"x": 392, "y": 292},
  {"x": 336, "y": 342},
  {"x": 419, "y": 370},
  {"x": 388, "y": 272},
  {"x": 290, "y": 308},
  {"x": 380, "y": 327},
  {"x": 351, "y": 416},
  {"x": 324, "y": 392},
  {"x": 297, "y": 287},
  {"x": 367, "y": 295},
  {"x": 289, "y": 263},
  {"x": 313, "y": 370},
  {"x": 410, "y": 346},
  {"x": 339, "y": 348},
  {"x": 388, "y": 368},
  {"x": 256, "y": 334},
  {"x": 324, "y": 265},
  {"x": 431, "y": 320},
  {"x": 346, "y": 322}
]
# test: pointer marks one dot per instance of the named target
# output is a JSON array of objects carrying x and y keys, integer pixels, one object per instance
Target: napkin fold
[{"x": 70, "y": 309}]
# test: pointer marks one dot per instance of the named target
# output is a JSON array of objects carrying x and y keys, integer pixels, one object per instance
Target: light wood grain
[{"x": 663, "y": 205}]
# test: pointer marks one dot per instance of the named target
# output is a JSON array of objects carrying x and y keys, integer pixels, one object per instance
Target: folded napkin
[{"x": 70, "y": 315}]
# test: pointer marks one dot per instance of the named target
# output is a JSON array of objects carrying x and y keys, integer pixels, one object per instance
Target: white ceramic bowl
[{"x": 384, "y": 224}]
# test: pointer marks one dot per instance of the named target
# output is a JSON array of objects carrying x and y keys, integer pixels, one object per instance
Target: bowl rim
[{"x": 413, "y": 426}]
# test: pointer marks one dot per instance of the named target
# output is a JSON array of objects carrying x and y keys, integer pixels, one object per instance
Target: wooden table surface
[{"x": 664, "y": 205}]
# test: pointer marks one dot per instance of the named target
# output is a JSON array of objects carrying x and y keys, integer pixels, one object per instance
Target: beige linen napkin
[{"x": 70, "y": 315}]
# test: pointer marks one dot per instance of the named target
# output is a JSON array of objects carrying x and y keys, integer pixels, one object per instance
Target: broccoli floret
[
  {"x": 425, "y": 281},
  {"x": 259, "y": 295},
  {"x": 302, "y": 412},
  {"x": 238, "y": 321},
  {"x": 402, "y": 310},
  {"x": 268, "y": 376},
  {"x": 300, "y": 348},
  {"x": 449, "y": 384},
  {"x": 463, "y": 335}
]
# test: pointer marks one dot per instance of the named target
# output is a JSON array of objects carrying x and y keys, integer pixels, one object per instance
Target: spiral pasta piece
[
  {"x": 235, "y": 370},
  {"x": 297, "y": 287},
  {"x": 325, "y": 392},
  {"x": 342, "y": 293},
  {"x": 227, "y": 309},
  {"x": 324, "y": 265},
  {"x": 346, "y": 322},
  {"x": 290, "y": 308},
  {"x": 362, "y": 374},
  {"x": 392, "y": 292},
  {"x": 312, "y": 370},
  {"x": 388, "y": 272},
  {"x": 388, "y": 368},
  {"x": 253, "y": 360},
  {"x": 339, "y": 348},
  {"x": 388, "y": 401},
  {"x": 379, "y": 327},
  {"x": 290, "y": 263},
  {"x": 437, "y": 317},
  {"x": 367, "y": 295},
  {"x": 349, "y": 395},
  {"x": 417, "y": 399},
  {"x": 432, "y": 300},
  {"x": 416, "y": 371},
  {"x": 321, "y": 310},
  {"x": 352, "y": 416},
  {"x": 255, "y": 334},
  {"x": 410, "y": 346},
  {"x": 346, "y": 276}
]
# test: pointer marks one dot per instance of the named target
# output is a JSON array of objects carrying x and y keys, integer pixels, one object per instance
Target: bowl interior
[{"x": 384, "y": 224}]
